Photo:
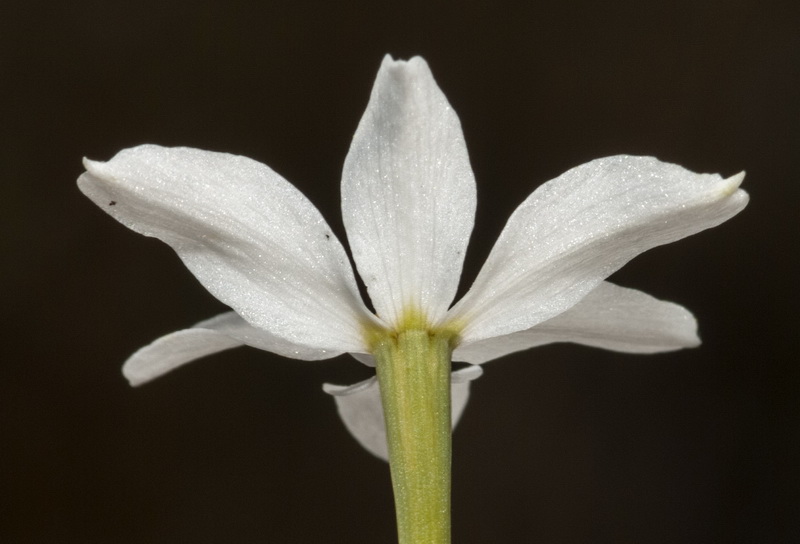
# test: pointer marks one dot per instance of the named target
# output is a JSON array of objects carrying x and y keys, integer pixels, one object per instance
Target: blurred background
[{"x": 561, "y": 444}]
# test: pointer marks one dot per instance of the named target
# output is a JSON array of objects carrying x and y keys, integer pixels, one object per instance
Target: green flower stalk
[
  {"x": 408, "y": 204},
  {"x": 413, "y": 369},
  {"x": 414, "y": 375}
]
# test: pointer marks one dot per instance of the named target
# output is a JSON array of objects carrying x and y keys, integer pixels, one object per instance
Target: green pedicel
[{"x": 413, "y": 367}]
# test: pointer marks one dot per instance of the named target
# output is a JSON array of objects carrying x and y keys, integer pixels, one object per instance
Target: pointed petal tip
[
  {"x": 98, "y": 168},
  {"x": 731, "y": 185},
  {"x": 90, "y": 174},
  {"x": 729, "y": 190},
  {"x": 738, "y": 178},
  {"x": 95, "y": 176}
]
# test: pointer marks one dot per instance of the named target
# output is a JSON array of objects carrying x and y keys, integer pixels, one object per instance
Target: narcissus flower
[{"x": 408, "y": 202}]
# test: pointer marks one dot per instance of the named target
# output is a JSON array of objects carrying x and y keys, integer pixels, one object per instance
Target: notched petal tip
[
  {"x": 413, "y": 73},
  {"x": 390, "y": 62}
]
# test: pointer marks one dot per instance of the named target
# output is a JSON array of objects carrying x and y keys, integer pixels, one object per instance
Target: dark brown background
[{"x": 561, "y": 444}]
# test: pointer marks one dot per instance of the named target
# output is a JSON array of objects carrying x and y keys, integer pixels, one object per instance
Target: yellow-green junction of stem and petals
[{"x": 413, "y": 364}]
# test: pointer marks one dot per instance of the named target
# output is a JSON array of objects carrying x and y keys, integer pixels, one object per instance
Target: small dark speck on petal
[{"x": 112, "y": 203}]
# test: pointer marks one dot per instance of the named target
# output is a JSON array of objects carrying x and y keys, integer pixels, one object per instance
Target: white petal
[
  {"x": 360, "y": 408},
  {"x": 251, "y": 238},
  {"x": 219, "y": 333},
  {"x": 408, "y": 193},
  {"x": 609, "y": 317},
  {"x": 174, "y": 350},
  {"x": 577, "y": 229}
]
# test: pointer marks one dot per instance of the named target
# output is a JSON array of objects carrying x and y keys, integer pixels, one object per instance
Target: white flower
[{"x": 408, "y": 202}]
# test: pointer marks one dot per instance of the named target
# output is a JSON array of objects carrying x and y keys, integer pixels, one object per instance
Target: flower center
[{"x": 413, "y": 320}]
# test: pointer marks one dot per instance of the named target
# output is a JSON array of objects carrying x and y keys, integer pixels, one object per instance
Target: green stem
[{"x": 413, "y": 370}]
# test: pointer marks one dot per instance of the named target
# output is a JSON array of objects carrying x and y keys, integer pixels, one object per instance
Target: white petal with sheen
[
  {"x": 609, "y": 317},
  {"x": 577, "y": 229},
  {"x": 219, "y": 333},
  {"x": 251, "y": 238},
  {"x": 174, "y": 350},
  {"x": 408, "y": 194},
  {"x": 360, "y": 408}
]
